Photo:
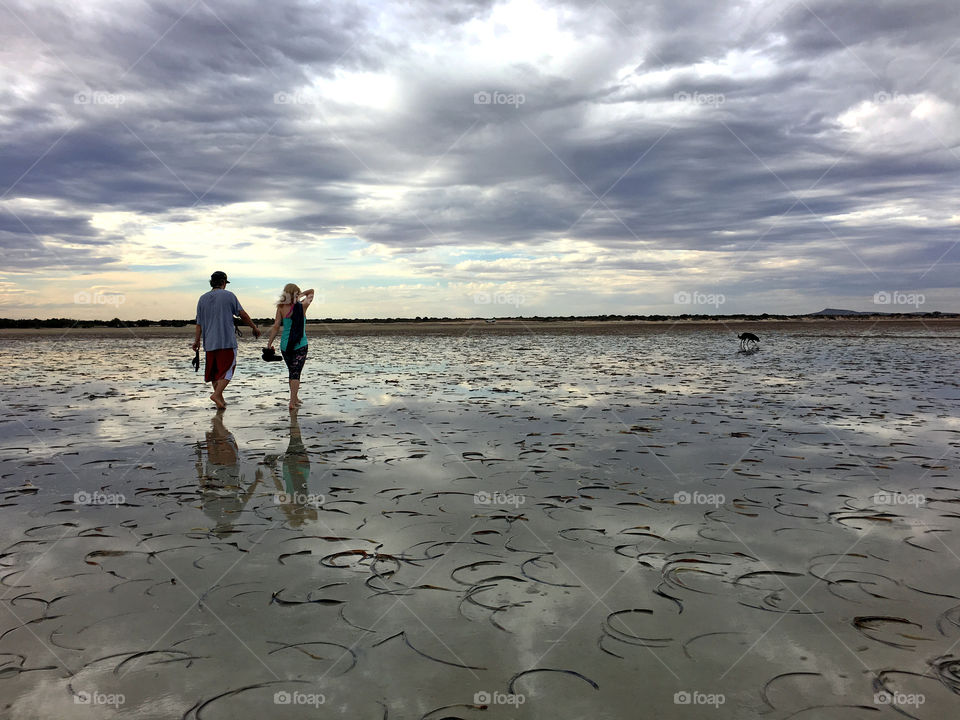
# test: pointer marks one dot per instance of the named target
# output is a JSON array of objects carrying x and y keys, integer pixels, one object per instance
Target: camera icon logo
[
  {"x": 681, "y": 498},
  {"x": 681, "y": 698},
  {"x": 482, "y": 498},
  {"x": 283, "y": 498},
  {"x": 881, "y": 298},
  {"x": 81, "y": 698},
  {"x": 481, "y": 698},
  {"x": 681, "y": 298},
  {"x": 81, "y": 498},
  {"x": 482, "y": 98},
  {"x": 882, "y": 698},
  {"x": 282, "y": 697}
]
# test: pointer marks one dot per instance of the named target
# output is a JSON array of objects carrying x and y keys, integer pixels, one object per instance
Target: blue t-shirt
[{"x": 215, "y": 311}]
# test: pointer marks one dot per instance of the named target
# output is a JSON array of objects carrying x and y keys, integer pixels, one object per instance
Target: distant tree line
[
  {"x": 71, "y": 323},
  {"x": 37, "y": 323}
]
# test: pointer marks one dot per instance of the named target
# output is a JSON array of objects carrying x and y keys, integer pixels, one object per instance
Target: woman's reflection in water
[
  {"x": 295, "y": 498},
  {"x": 222, "y": 492}
]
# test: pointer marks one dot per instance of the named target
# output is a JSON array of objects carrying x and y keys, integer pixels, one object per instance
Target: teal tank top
[{"x": 287, "y": 322}]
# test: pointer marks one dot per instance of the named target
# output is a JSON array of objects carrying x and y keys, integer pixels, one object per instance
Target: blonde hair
[{"x": 289, "y": 295}]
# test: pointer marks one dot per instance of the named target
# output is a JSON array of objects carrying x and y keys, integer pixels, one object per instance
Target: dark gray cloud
[{"x": 761, "y": 134}]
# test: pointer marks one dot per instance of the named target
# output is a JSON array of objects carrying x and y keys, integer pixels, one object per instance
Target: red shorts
[{"x": 219, "y": 364}]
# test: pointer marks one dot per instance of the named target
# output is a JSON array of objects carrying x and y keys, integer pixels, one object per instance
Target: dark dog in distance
[{"x": 746, "y": 339}]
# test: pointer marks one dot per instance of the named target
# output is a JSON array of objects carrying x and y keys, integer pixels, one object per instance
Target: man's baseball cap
[{"x": 219, "y": 276}]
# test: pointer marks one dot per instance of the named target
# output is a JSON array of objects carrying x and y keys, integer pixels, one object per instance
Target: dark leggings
[{"x": 295, "y": 360}]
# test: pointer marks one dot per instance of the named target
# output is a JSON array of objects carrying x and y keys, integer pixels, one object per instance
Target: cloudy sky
[{"x": 468, "y": 157}]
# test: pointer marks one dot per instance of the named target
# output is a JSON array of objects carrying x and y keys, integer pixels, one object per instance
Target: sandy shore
[{"x": 856, "y": 324}]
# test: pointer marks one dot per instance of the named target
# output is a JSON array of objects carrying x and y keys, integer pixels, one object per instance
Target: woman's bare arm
[
  {"x": 275, "y": 328},
  {"x": 306, "y": 298}
]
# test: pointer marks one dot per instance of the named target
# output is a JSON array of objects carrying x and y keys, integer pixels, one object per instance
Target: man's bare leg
[
  {"x": 294, "y": 389},
  {"x": 217, "y": 395}
]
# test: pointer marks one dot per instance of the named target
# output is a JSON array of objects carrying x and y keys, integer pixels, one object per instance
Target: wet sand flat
[{"x": 603, "y": 523}]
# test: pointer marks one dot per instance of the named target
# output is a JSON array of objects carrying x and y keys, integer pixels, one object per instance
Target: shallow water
[{"x": 490, "y": 526}]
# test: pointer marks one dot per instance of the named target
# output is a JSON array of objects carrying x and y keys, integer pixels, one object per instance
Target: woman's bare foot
[{"x": 218, "y": 401}]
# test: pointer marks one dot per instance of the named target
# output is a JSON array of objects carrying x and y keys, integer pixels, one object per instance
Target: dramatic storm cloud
[{"x": 413, "y": 158}]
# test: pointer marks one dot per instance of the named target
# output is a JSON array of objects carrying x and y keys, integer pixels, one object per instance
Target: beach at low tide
[{"x": 508, "y": 520}]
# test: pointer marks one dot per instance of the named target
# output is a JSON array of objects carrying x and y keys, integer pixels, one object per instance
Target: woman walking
[{"x": 291, "y": 316}]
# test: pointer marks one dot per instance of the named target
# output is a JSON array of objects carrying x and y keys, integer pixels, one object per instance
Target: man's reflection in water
[
  {"x": 223, "y": 495},
  {"x": 294, "y": 497}
]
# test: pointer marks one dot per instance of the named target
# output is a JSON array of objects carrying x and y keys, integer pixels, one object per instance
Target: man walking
[{"x": 215, "y": 311}]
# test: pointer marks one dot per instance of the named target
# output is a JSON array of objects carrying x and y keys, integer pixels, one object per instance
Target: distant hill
[
  {"x": 916, "y": 313},
  {"x": 836, "y": 311}
]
